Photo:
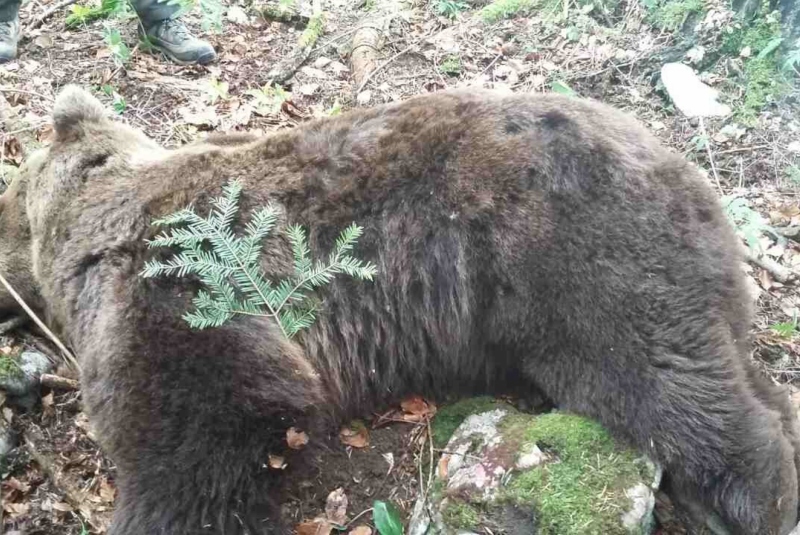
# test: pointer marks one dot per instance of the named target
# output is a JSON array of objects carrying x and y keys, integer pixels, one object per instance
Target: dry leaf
[
  {"x": 16, "y": 509},
  {"x": 12, "y": 150},
  {"x": 319, "y": 526},
  {"x": 361, "y": 530},
  {"x": 8, "y": 414},
  {"x": 336, "y": 507},
  {"x": 63, "y": 507},
  {"x": 47, "y": 401},
  {"x": 16, "y": 484},
  {"x": 765, "y": 279},
  {"x": 45, "y": 134},
  {"x": 295, "y": 438},
  {"x": 277, "y": 462},
  {"x": 355, "y": 435},
  {"x": 107, "y": 492},
  {"x": 416, "y": 409}
]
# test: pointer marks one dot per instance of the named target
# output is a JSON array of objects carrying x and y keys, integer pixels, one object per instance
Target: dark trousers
[{"x": 148, "y": 10}]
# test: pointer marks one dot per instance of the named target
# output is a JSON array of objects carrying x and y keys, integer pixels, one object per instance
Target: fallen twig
[
  {"x": 305, "y": 44},
  {"x": 778, "y": 272},
  {"x": 66, "y": 353},
  {"x": 47, "y": 14},
  {"x": 382, "y": 66},
  {"x": 56, "y": 382}
]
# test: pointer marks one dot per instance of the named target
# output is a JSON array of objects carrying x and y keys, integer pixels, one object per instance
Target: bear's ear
[{"x": 73, "y": 107}]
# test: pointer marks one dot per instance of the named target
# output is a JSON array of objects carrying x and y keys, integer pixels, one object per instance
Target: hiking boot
[
  {"x": 174, "y": 39},
  {"x": 9, "y": 36}
]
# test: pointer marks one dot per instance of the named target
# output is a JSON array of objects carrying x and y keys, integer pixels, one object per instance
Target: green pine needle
[{"x": 229, "y": 269}]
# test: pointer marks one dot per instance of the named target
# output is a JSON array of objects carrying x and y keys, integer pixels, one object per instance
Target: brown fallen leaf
[
  {"x": 296, "y": 439},
  {"x": 107, "y": 492},
  {"x": 62, "y": 507},
  {"x": 361, "y": 530},
  {"x": 16, "y": 509},
  {"x": 415, "y": 409},
  {"x": 355, "y": 435},
  {"x": 336, "y": 507},
  {"x": 45, "y": 134},
  {"x": 318, "y": 526},
  {"x": 12, "y": 150},
  {"x": 277, "y": 462}
]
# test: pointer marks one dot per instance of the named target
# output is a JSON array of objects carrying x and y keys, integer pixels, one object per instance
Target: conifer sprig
[{"x": 229, "y": 267}]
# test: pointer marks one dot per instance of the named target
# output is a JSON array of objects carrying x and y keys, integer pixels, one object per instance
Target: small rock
[
  {"x": 495, "y": 458},
  {"x": 32, "y": 364},
  {"x": 322, "y": 62}
]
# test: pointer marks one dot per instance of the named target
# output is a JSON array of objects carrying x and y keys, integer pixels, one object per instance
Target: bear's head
[{"x": 88, "y": 146}]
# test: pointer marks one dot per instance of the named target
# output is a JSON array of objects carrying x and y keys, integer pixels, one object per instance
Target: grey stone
[
  {"x": 32, "y": 365},
  {"x": 484, "y": 456}
]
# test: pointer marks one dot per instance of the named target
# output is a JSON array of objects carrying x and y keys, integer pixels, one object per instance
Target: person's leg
[
  {"x": 9, "y": 29},
  {"x": 167, "y": 33}
]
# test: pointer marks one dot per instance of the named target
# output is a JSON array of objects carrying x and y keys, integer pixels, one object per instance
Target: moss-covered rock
[{"x": 554, "y": 474}]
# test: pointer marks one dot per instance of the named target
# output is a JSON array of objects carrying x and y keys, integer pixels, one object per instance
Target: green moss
[
  {"x": 504, "y": 9},
  {"x": 459, "y": 515},
  {"x": 315, "y": 27},
  {"x": 582, "y": 491},
  {"x": 671, "y": 14},
  {"x": 763, "y": 83},
  {"x": 449, "y": 417},
  {"x": 9, "y": 367}
]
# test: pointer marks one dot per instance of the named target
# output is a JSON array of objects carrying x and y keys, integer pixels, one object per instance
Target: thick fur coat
[{"x": 521, "y": 242}]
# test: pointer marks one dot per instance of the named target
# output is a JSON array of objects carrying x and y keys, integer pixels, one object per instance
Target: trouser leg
[
  {"x": 150, "y": 11},
  {"x": 9, "y": 9}
]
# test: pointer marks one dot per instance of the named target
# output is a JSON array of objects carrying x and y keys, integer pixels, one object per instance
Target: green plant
[
  {"x": 386, "y": 518},
  {"x": 229, "y": 265},
  {"x": 269, "y": 99},
  {"x": 335, "y": 109},
  {"x": 217, "y": 90},
  {"x": 119, "y": 50},
  {"x": 449, "y": 8},
  {"x": 81, "y": 14},
  {"x": 557, "y": 86},
  {"x": 672, "y": 14},
  {"x": 451, "y": 65},
  {"x": 786, "y": 329},
  {"x": 117, "y": 101},
  {"x": 504, "y": 9},
  {"x": 793, "y": 174},
  {"x": 749, "y": 222}
]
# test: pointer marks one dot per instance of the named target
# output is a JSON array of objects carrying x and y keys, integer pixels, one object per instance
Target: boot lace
[{"x": 176, "y": 29}]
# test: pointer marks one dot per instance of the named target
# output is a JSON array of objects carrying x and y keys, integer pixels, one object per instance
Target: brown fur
[{"x": 521, "y": 242}]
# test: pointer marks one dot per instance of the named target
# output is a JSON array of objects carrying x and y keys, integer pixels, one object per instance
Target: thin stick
[
  {"x": 379, "y": 68},
  {"x": 32, "y": 93},
  {"x": 40, "y": 323},
  {"x": 56, "y": 382},
  {"x": 27, "y": 128},
  {"x": 47, "y": 14},
  {"x": 710, "y": 155}
]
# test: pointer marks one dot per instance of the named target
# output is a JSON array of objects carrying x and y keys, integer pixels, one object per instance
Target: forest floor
[{"x": 59, "y": 482}]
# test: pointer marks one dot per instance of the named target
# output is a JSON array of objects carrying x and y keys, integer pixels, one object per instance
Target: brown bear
[{"x": 522, "y": 242}]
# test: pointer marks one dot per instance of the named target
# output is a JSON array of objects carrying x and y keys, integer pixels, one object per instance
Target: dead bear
[{"x": 521, "y": 242}]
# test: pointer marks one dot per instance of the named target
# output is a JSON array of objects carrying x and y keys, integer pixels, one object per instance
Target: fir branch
[{"x": 229, "y": 268}]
